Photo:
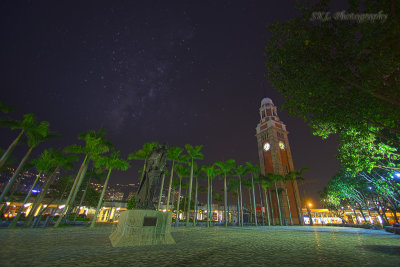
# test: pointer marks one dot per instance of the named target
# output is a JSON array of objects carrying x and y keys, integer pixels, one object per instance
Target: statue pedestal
[{"x": 142, "y": 227}]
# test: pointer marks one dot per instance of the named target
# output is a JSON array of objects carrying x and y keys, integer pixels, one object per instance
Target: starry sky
[{"x": 175, "y": 72}]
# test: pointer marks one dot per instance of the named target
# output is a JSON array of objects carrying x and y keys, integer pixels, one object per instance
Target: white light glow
[
  {"x": 61, "y": 207},
  {"x": 27, "y": 205}
]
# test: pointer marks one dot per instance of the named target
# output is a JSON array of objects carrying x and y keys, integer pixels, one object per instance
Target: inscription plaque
[{"x": 150, "y": 221}]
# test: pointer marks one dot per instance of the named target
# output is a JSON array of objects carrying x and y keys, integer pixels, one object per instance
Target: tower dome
[{"x": 266, "y": 101}]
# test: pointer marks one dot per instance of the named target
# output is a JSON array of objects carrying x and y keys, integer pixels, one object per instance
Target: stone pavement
[{"x": 216, "y": 246}]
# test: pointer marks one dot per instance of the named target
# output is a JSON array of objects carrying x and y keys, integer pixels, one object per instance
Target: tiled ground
[{"x": 217, "y": 246}]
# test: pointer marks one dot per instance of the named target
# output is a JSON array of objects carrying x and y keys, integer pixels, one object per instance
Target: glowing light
[
  {"x": 370, "y": 188},
  {"x": 61, "y": 207},
  {"x": 8, "y": 203},
  {"x": 27, "y": 205},
  {"x": 44, "y": 206},
  {"x": 35, "y": 191},
  {"x": 118, "y": 208},
  {"x": 309, "y": 204}
]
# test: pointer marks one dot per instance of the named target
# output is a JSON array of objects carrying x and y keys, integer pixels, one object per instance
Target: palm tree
[
  {"x": 95, "y": 174},
  {"x": 293, "y": 176},
  {"x": 36, "y": 134},
  {"x": 174, "y": 154},
  {"x": 59, "y": 161},
  {"x": 275, "y": 178},
  {"x": 210, "y": 173},
  {"x": 254, "y": 170},
  {"x": 239, "y": 171},
  {"x": 224, "y": 169},
  {"x": 261, "y": 199},
  {"x": 27, "y": 126},
  {"x": 6, "y": 109},
  {"x": 108, "y": 162},
  {"x": 192, "y": 154},
  {"x": 247, "y": 184},
  {"x": 142, "y": 154},
  {"x": 161, "y": 188},
  {"x": 43, "y": 164},
  {"x": 265, "y": 184},
  {"x": 95, "y": 145},
  {"x": 234, "y": 187},
  {"x": 181, "y": 171},
  {"x": 196, "y": 173}
]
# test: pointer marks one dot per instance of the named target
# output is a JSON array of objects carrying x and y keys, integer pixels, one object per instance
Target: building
[{"x": 275, "y": 157}]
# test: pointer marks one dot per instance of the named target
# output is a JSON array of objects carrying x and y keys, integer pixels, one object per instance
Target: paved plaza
[{"x": 216, "y": 246}]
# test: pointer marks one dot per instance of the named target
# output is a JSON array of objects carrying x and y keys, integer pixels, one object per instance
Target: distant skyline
[{"x": 175, "y": 72}]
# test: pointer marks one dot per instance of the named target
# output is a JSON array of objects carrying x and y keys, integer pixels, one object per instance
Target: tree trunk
[
  {"x": 355, "y": 214},
  {"x": 290, "y": 213},
  {"x": 254, "y": 201},
  {"x": 208, "y": 201},
  {"x": 238, "y": 206},
  {"x": 9, "y": 150},
  {"x": 297, "y": 204},
  {"x": 262, "y": 206},
  {"x": 267, "y": 207},
  {"x": 190, "y": 195},
  {"x": 225, "y": 203},
  {"x": 251, "y": 207},
  {"x": 80, "y": 202},
  {"x": 101, "y": 199},
  {"x": 41, "y": 196},
  {"x": 16, "y": 218},
  {"x": 71, "y": 192},
  {"x": 278, "y": 204},
  {"x": 195, "y": 205},
  {"x": 15, "y": 175},
  {"x": 161, "y": 190},
  {"x": 272, "y": 206},
  {"x": 362, "y": 213},
  {"x": 179, "y": 201},
  {"x": 241, "y": 201},
  {"x": 78, "y": 186},
  {"x": 170, "y": 185}
]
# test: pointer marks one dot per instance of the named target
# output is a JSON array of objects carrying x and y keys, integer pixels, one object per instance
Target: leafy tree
[{"x": 350, "y": 72}]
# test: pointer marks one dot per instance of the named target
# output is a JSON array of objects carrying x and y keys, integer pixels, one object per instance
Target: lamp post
[{"x": 309, "y": 213}]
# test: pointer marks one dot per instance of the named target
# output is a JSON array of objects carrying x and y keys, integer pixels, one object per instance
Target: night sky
[{"x": 177, "y": 72}]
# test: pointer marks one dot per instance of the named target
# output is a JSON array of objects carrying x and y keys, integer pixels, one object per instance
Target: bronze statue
[{"x": 154, "y": 169}]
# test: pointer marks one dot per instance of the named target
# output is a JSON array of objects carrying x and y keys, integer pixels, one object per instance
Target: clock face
[
  {"x": 267, "y": 146},
  {"x": 281, "y": 145}
]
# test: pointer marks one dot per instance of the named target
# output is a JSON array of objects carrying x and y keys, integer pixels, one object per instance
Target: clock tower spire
[{"x": 275, "y": 157}]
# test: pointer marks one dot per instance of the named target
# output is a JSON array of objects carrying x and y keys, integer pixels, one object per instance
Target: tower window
[{"x": 280, "y": 135}]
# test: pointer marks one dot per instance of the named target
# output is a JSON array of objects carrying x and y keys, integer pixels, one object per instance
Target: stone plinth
[{"x": 142, "y": 227}]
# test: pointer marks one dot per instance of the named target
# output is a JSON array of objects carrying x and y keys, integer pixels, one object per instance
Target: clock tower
[{"x": 275, "y": 157}]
